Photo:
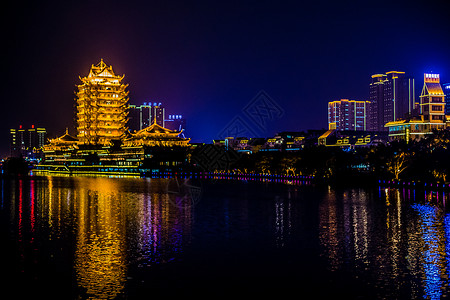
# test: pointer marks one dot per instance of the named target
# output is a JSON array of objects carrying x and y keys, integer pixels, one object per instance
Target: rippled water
[{"x": 104, "y": 238}]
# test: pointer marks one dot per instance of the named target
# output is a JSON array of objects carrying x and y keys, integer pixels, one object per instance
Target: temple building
[
  {"x": 101, "y": 106},
  {"x": 156, "y": 136},
  {"x": 104, "y": 145}
]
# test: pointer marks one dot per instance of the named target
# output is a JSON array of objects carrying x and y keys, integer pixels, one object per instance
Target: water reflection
[
  {"x": 408, "y": 254},
  {"x": 343, "y": 226},
  {"x": 100, "y": 261},
  {"x": 108, "y": 225},
  {"x": 113, "y": 235}
]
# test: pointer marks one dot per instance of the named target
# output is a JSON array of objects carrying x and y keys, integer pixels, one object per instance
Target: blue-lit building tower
[
  {"x": 347, "y": 114},
  {"x": 446, "y": 88}
]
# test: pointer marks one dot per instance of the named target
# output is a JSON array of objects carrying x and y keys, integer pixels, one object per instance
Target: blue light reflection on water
[{"x": 432, "y": 253}]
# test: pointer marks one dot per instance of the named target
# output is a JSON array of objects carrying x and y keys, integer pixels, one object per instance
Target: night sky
[{"x": 208, "y": 60}]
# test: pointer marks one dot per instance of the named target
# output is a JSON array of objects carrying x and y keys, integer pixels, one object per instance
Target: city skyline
[{"x": 301, "y": 56}]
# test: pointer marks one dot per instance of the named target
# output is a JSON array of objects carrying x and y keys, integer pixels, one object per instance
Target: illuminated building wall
[
  {"x": 101, "y": 106},
  {"x": 447, "y": 98},
  {"x": 376, "y": 98},
  {"x": 348, "y": 114},
  {"x": 392, "y": 98},
  {"x": 399, "y": 96}
]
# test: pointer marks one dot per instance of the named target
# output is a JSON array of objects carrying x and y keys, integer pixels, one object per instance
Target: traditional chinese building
[
  {"x": 156, "y": 136},
  {"x": 103, "y": 145},
  {"x": 101, "y": 106}
]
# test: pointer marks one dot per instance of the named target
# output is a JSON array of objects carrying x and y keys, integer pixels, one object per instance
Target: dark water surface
[{"x": 104, "y": 238}]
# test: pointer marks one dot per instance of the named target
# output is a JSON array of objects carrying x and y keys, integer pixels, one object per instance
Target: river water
[{"x": 118, "y": 238}]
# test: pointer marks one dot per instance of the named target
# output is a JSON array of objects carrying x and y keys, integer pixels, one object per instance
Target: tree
[
  {"x": 287, "y": 164},
  {"x": 398, "y": 163}
]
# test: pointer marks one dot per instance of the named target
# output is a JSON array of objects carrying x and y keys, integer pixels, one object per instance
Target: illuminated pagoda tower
[{"x": 101, "y": 106}]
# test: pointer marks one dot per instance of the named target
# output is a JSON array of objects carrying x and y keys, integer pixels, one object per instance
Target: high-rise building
[
  {"x": 432, "y": 100},
  {"x": 347, "y": 114},
  {"x": 142, "y": 116},
  {"x": 139, "y": 116},
  {"x": 392, "y": 97},
  {"x": 25, "y": 142},
  {"x": 158, "y": 114},
  {"x": 446, "y": 87},
  {"x": 376, "y": 98},
  {"x": 101, "y": 106}
]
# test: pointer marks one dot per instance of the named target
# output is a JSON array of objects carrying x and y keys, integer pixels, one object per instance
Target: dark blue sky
[{"x": 208, "y": 59}]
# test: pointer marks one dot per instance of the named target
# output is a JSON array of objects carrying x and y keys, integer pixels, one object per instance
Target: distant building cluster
[
  {"x": 295, "y": 141},
  {"x": 27, "y": 142},
  {"x": 393, "y": 108}
]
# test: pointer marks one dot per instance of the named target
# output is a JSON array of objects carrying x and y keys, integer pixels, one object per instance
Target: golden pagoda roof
[
  {"x": 65, "y": 138},
  {"x": 156, "y": 130},
  {"x": 102, "y": 70},
  {"x": 156, "y": 135}
]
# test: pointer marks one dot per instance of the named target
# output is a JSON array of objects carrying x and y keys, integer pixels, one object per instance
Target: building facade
[
  {"x": 101, "y": 106},
  {"x": 446, "y": 87},
  {"x": 347, "y": 114},
  {"x": 392, "y": 97},
  {"x": 432, "y": 100},
  {"x": 376, "y": 98}
]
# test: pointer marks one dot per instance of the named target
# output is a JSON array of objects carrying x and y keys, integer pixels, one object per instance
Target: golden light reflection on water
[
  {"x": 100, "y": 261},
  {"x": 114, "y": 222}
]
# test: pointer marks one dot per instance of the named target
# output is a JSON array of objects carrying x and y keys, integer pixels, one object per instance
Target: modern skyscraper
[
  {"x": 347, "y": 114},
  {"x": 139, "y": 116},
  {"x": 101, "y": 106},
  {"x": 158, "y": 114},
  {"x": 432, "y": 100},
  {"x": 376, "y": 98},
  {"x": 392, "y": 97},
  {"x": 446, "y": 87}
]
